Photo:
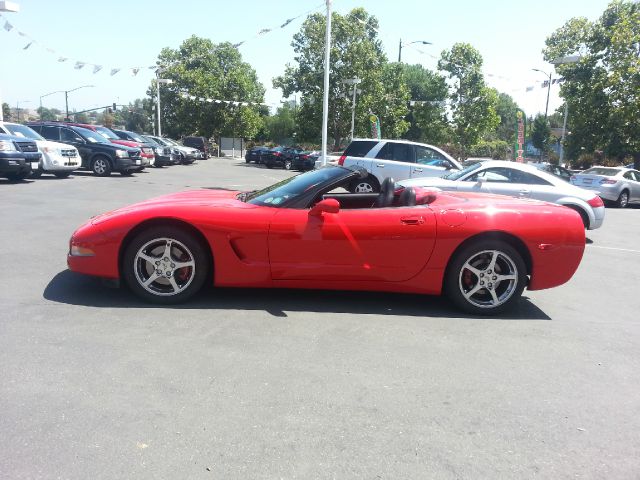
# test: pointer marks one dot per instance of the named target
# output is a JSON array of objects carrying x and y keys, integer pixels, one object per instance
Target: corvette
[{"x": 309, "y": 232}]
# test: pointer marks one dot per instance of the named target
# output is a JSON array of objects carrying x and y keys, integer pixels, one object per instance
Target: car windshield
[
  {"x": 23, "y": 131},
  {"x": 170, "y": 142},
  {"x": 106, "y": 133},
  {"x": 277, "y": 194},
  {"x": 608, "y": 172},
  {"x": 150, "y": 141},
  {"x": 91, "y": 136},
  {"x": 136, "y": 137},
  {"x": 461, "y": 173}
]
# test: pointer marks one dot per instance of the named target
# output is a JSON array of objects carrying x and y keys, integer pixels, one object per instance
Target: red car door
[{"x": 386, "y": 244}]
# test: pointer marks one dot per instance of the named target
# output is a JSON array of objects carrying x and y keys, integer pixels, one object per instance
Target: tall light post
[
  {"x": 18, "y": 106},
  {"x": 563, "y": 61},
  {"x": 400, "y": 45},
  {"x": 353, "y": 81},
  {"x": 7, "y": 7},
  {"x": 66, "y": 98},
  {"x": 325, "y": 93},
  {"x": 46, "y": 95},
  {"x": 546, "y": 109},
  {"x": 164, "y": 81}
]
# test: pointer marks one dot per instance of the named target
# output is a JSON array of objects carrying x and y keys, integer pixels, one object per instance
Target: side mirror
[{"x": 330, "y": 205}]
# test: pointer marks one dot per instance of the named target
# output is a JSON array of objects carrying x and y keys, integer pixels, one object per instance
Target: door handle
[
  {"x": 417, "y": 169},
  {"x": 380, "y": 165},
  {"x": 524, "y": 192},
  {"x": 412, "y": 220}
]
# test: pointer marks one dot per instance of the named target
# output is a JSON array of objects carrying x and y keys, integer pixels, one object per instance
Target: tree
[
  {"x": 48, "y": 114},
  {"x": 603, "y": 89},
  {"x": 427, "y": 116},
  {"x": 540, "y": 134},
  {"x": 6, "y": 111},
  {"x": 356, "y": 51},
  {"x": 281, "y": 126},
  {"x": 214, "y": 71},
  {"x": 506, "y": 109},
  {"x": 473, "y": 104}
]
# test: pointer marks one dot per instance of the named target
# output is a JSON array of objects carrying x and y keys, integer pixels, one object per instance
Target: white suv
[
  {"x": 58, "y": 158},
  {"x": 399, "y": 159}
]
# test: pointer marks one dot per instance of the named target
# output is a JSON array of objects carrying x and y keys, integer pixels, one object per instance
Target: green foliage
[
  {"x": 473, "y": 104},
  {"x": 356, "y": 51},
  {"x": 281, "y": 126},
  {"x": 138, "y": 116},
  {"x": 506, "y": 109},
  {"x": 603, "y": 88},
  {"x": 496, "y": 149},
  {"x": 80, "y": 117},
  {"x": 208, "y": 70},
  {"x": 541, "y": 133},
  {"x": 6, "y": 112},
  {"x": 428, "y": 120},
  {"x": 48, "y": 114}
]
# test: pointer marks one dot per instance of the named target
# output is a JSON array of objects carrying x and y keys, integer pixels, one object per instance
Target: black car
[
  {"x": 556, "y": 170},
  {"x": 255, "y": 154},
  {"x": 201, "y": 143},
  {"x": 164, "y": 153},
  {"x": 18, "y": 155},
  {"x": 98, "y": 154},
  {"x": 304, "y": 160}
]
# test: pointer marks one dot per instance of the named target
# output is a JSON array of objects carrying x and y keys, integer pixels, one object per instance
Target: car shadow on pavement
[{"x": 75, "y": 289}]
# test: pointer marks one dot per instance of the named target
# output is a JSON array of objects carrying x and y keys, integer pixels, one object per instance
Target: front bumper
[
  {"x": 9, "y": 164},
  {"x": 131, "y": 164},
  {"x": 59, "y": 163}
]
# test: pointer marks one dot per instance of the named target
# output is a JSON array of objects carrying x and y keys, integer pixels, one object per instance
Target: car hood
[
  {"x": 127, "y": 143},
  {"x": 51, "y": 144},
  {"x": 178, "y": 201}
]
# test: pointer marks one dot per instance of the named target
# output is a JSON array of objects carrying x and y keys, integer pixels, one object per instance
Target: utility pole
[{"x": 325, "y": 94}]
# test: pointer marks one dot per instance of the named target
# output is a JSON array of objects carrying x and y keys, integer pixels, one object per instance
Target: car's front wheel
[
  {"x": 101, "y": 166},
  {"x": 486, "y": 277},
  {"x": 165, "y": 265}
]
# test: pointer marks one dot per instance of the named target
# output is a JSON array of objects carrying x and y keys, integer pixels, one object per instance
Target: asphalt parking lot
[{"x": 245, "y": 384}]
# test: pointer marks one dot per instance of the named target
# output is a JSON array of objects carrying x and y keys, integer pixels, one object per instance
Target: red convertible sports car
[{"x": 308, "y": 232}]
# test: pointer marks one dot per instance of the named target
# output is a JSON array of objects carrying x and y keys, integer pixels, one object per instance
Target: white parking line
[{"x": 614, "y": 248}]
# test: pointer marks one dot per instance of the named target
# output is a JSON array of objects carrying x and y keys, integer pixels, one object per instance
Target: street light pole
[
  {"x": 400, "y": 45},
  {"x": 66, "y": 98},
  {"x": 325, "y": 93},
  {"x": 563, "y": 61},
  {"x": 165, "y": 81},
  {"x": 546, "y": 109},
  {"x": 353, "y": 81}
]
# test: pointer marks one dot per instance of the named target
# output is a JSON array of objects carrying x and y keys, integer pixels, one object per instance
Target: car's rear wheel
[
  {"x": 367, "y": 185},
  {"x": 165, "y": 265},
  {"x": 486, "y": 277},
  {"x": 101, "y": 166},
  {"x": 623, "y": 199}
]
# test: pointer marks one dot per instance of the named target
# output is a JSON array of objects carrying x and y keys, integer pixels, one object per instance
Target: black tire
[
  {"x": 247, "y": 160},
  {"x": 18, "y": 177},
  {"x": 623, "y": 199},
  {"x": 287, "y": 164},
  {"x": 463, "y": 286},
  {"x": 62, "y": 174},
  {"x": 126, "y": 173},
  {"x": 183, "y": 247},
  {"x": 583, "y": 215},
  {"x": 36, "y": 173},
  {"x": 367, "y": 185},
  {"x": 268, "y": 164},
  {"x": 101, "y": 166}
]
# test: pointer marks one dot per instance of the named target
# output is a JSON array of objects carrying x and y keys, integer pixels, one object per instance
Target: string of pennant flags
[
  {"x": 218, "y": 101},
  {"x": 95, "y": 67}
]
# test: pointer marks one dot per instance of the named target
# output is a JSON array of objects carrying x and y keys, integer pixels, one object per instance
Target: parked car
[
  {"x": 187, "y": 155},
  {"x": 400, "y": 159},
  {"x": 557, "y": 170},
  {"x": 304, "y": 160},
  {"x": 18, "y": 156},
  {"x": 57, "y": 158},
  {"x": 618, "y": 186},
  {"x": 522, "y": 181},
  {"x": 200, "y": 143},
  {"x": 480, "y": 250},
  {"x": 165, "y": 155},
  {"x": 275, "y": 157},
  {"x": 255, "y": 154},
  {"x": 97, "y": 153},
  {"x": 146, "y": 152},
  {"x": 472, "y": 160}
]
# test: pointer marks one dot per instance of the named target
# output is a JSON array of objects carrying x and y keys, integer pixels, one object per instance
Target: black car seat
[
  {"x": 385, "y": 198},
  {"x": 407, "y": 197}
]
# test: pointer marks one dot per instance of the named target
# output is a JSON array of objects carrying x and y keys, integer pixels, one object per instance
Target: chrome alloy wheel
[
  {"x": 488, "y": 279},
  {"x": 363, "y": 187},
  {"x": 100, "y": 166},
  {"x": 164, "y": 266}
]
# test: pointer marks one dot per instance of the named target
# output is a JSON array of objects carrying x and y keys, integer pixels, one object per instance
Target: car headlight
[
  {"x": 52, "y": 150},
  {"x": 7, "y": 146},
  {"x": 122, "y": 154}
]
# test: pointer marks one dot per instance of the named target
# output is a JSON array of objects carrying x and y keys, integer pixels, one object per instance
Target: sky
[{"x": 509, "y": 35}]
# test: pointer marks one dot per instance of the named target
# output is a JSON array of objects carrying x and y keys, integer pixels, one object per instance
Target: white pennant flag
[
  {"x": 79, "y": 65},
  {"x": 7, "y": 26},
  {"x": 28, "y": 45},
  {"x": 97, "y": 68},
  {"x": 62, "y": 59},
  {"x": 114, "y": 71},
  {"x": 134, "y": 71}
]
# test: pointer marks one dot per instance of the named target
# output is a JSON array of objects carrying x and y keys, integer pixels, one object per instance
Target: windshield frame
[
  {"x": 90, "y": 136},
  {"x": 458, "y": 174}
]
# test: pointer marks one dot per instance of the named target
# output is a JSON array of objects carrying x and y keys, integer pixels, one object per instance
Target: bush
[{"x": 496, "y": 149}]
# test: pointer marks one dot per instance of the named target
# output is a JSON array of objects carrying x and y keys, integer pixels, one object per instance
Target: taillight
[
  {"x": 607, "y": 181},
  {"x": 276, "y": 154},
  {"x": 305, "y": 157},
  {"x": 596, "y": 202},
  {"x": 341, "y": 160}
]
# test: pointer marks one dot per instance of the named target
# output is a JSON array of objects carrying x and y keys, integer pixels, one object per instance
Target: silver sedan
[
  {"x": 618, "y": 185},
  {"x": 519, "y": 180}
]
